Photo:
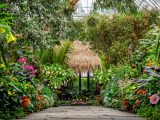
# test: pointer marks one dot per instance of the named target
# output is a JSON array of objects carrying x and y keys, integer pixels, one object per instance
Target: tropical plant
[
  {"x": 20, "y": 87},
  {"x": 6, "y": 35},
  {"x": 148, "y": 51},
  {"x": 54, "y": 76},
  {"x": 117, "y": 80},
  {"x": 60, "y": 79},
  {"x": 56, "y": 54}
]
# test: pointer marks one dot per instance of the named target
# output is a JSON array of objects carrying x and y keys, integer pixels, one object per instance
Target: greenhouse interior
[{"x": 80, "y": 59}]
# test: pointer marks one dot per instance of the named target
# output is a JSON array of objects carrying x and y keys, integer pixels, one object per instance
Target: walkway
[{"x": 81, "y": 113}]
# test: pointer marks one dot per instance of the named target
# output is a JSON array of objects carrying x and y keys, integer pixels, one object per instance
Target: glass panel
[{"x": 85, "y": 7}]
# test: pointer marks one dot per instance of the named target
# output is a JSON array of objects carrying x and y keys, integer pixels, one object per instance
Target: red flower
[
  {"x": 25, "y": 101},
  {"x": 39, "y": 97},
  {"x": 134, "y": 106},
  {"x": 125, "y": 102},
  {"x": 138, "y": 102},
  {"x": 142, "y": 92}
]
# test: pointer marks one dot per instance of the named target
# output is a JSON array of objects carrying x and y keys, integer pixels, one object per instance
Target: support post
[
  {"x": 80, "y": 85},
  {"x": 88, "y": 80}
]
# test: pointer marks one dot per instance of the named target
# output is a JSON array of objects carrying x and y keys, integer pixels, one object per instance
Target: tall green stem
[{"x": 3, "y": 56}]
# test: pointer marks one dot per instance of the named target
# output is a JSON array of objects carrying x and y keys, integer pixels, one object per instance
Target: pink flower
[
  {"x": 22, "y": 60},
  {"x": 30, "y": 68},
  {"x": 154, "y": 99}
]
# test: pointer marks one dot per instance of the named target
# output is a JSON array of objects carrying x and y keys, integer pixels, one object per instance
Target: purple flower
[
  {"x": 22, "y": 60},
  {"x": 30, "y": 68},
  {"x": 154, "y": 99}
]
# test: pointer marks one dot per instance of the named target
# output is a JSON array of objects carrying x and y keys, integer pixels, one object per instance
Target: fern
[{"x": 46, "y": 57}]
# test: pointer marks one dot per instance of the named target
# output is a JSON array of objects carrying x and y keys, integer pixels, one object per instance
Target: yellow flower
[
  {"x": 11, "y": 93},
  {"x": 133, "y": 87},
  {"x": 150, "y": 63},
  {"x": 27, "y": 85},
  {"x": 2, "y": 65},
  {"x": 14, "y": 78},
  {"x": 10, "y": 38},
  {"x": 2, "y": 30}
]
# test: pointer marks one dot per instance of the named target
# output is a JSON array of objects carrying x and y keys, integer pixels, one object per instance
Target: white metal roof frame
[{"x": 85, "y": 7}]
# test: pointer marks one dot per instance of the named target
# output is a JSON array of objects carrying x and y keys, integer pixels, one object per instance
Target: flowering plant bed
[
  {"x": 79, "y": 103},
  {"x": 82, "y": 102}
]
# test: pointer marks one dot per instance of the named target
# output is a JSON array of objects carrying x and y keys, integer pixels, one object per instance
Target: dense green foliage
[
  {"x": 22, "y": 85},
  {"x": 122, "y": 6},
  {"x": 152, "y": 113},
  {"x": 56, "y": 75},
  {"x": 136, "y": 95},
  {"x": 20, "y": 81},
  {"x": 148, "y": 48},
  {"x": 39, "y": 23},
  {"x": 116, "y": 36},
  {"x": 56, "y": 54},
  {"x": 34, "y": 49}
]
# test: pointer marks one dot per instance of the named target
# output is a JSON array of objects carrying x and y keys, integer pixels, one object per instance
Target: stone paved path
[{"x": 82, "y": 113}]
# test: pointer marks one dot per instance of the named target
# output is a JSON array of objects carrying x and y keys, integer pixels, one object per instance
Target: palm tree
[{"x": 57, "y": 54}]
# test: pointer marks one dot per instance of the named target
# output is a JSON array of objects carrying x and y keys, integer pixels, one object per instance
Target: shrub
[{"x": 150, "y": 112}]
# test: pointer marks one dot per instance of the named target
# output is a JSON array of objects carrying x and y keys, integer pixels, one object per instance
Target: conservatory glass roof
[
  {"x": 85, "y": 7},
  {"x": 148, "y": 4}
]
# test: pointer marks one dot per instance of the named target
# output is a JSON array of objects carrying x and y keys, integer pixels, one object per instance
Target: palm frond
[
  {"x": 47, "y": 56},
  {"x": 62, "y": 51},
  {"x": 3, "y": 6},
  {"x": 57, "y": 54},
  {"x": 103, "y": 62}
]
